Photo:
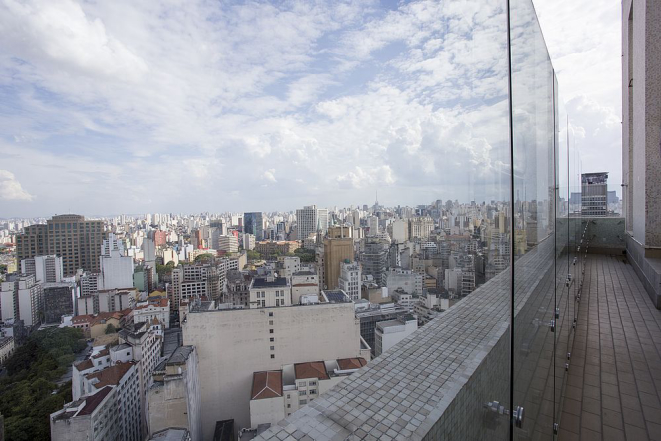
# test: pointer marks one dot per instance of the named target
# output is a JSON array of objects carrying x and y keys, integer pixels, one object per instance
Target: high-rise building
[
  {"x": 349, "y": 280},
  {"x": 58, "y": 301},
  {"x": 421, "y": 227},
  {"x": 307, "y": 221},
  {"x": 70, "y": 236},
  {"x": 22, "y": 298},
  {"x": 47, "y": 269},
  {"x": 375, "y": 260},
  {"x": 594, "y": 194},
  {"x": 253, "y": 223},
  {"x": 116, "y": 267},
  {"x": 338, "y": 248}
]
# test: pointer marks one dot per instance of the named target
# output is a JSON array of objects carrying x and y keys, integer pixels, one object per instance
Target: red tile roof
[
  {"x": 351, "y": 363},
  {"x": 110, "y": 376},
  {"x": 93, "y": 401},
  {"x": 313, "y": 369},
  {"x": 266, "y": 384}
]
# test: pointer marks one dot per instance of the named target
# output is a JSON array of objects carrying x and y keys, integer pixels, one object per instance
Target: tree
[
  {"x": 204, "y": 257},
  {"x": 253, "y": 255},
  {"x": 110, "y": 329}
]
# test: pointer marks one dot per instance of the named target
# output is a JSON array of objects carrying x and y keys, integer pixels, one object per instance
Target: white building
[
  {"x": 420, "y": 227},
  {"x": 22, "y": 298},
  {"x": 406, "y": 280},
  {"x": 248, "y": 241},
  {"x": 400, "y": 231},
  {"x": 277, "y": 394},
  {"x": 270, "y": 291},
  {"x": 116, "y": 267},
  {"x": 47, "y": 269},
  {"x": 304, "y": 283},
  {"x": 350, "y": 279},
  {"x": 391, "y": 332},
  {"x": 288, "y": 265},
  {"x": 174, "y": 397},
  {"x": 234, "y": 343},
  {"x": 307, "y": 221},
  {"x": 114, "y": 300},
  {"x": 153, "y": 309},
  {"x": 90, "y": 418},
  {"x": 229, "y": 243}
]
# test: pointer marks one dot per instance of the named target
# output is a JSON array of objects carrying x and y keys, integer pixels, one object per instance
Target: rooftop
[
  {"x": 312, "y": 369},
  {"x": 266, "y": 384},
  {"x": 170, "y": 434},
  {"x": 110, "y": 376},
  {"x": 262, "y": 282}
]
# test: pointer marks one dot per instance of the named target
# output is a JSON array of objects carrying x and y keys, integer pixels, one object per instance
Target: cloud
[
  {"x": 11, "y": 189},
  {"x": 269, "y": 175}
]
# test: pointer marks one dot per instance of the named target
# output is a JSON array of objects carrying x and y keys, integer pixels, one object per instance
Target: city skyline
[{"x": 340, "y": 103}]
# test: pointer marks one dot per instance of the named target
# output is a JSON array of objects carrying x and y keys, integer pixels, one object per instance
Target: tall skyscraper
[
  {"x": 594, "y": 194},
  {"x": 338, "y": 248},
  {"x": 253, "y": 223},
  {"x": 70, "y": 236},
  {"x": 307, "y": 221}
]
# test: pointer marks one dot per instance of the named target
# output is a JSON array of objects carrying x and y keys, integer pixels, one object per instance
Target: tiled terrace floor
[{"x": 614, "y": 386}]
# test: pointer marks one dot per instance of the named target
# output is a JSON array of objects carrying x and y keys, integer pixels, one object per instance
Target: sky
[{"x": 195, "y": 105}]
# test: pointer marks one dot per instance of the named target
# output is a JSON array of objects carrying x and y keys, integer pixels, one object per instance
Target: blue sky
[{"x": 189, "y": 106}]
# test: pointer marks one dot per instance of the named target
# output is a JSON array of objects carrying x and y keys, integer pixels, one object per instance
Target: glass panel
[{"x": 533, "y": 143}]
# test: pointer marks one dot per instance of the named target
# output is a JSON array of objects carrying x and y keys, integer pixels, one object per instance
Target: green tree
[
  {"x": 110, "y": 329},
  {"x": 204, "y": 257},
  {"x": 253, "y": 255}
]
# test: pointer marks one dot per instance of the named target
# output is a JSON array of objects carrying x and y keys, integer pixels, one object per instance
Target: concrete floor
[{"x": 613, "y": 389}]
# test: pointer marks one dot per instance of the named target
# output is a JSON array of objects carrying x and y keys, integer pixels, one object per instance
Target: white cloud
[{"x": 11, "y": 189}]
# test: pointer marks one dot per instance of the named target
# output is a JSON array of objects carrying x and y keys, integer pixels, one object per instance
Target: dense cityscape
[
  {"x": 330, "y": 221},
  {"x": 176, "y": 303}
]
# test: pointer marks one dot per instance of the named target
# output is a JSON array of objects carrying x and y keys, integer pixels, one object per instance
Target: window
[
  {"x": 313, "y": 383},
  {"x": 272, "y": 339},
  {"x": 270, "y": 314},
  {"x": 313, "y": 391},
  {"x": 271, "y": 322},
  {"x": 288, "y": 405},
  {"x": 302, "y": 402},
  {"x": 273, "y": 348},
  {"x": 272, "y": 355},
  {"x": 270, "y": 331},
  {"x": 288, "y": 396},
  {"x": 302, "y": 393}
]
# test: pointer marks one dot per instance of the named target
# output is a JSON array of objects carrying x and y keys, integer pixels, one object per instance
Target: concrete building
[
  {"x": 307, "y": 221},
  {"x": 390, "y": 332},
  {"x": 276, "y": 394},
  {"x": 90, "y": 418},
  {"x": 229, "y": 244},
  {"x": 76, "y": 240},
  {"x": 270, "y": 249},
  {"x": 594, "y": 194},
  {"x": 22, "y": 298},
  {"x": 407, "y": 280},
  {"x": 248, "y": 241},
  {"x": 238, "y": 289},
  {"x": 270, "y": 291},
  {"x": 157, "y": 310},
  {"x": 58, "y": 301},
  {"x": 47, "y": 269},
  {"x": 641, "y": 131},
  {"x": 114, "y": 300},
  {"x": 304, "y": 283},
  {"x": 374, "y": 260},
  {"x": 400, "y": 231},
  {"x": 232, "y": 344},
  {"x": 338, "y": 248},
  {"x": 288, "y": 265},
  {"x": 350, "y": 279},
  {"x": 116, "y": 267},
  {"x": 196, "y": 281},
  {"x": 371, "y": 315},
  {"x": 420, "y": 227},
  {"x": 174, "y": 396}
]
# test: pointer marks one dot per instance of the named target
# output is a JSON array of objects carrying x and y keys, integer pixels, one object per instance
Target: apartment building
[
  {"x": 270, "y": 291},
  {"x": 277, "y": 394},
  {"x": 47, "y": 269}
]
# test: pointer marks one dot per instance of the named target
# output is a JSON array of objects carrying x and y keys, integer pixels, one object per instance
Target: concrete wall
[
  {"x": 232, "y": 344},
  {"x": 268, "y": 410}
]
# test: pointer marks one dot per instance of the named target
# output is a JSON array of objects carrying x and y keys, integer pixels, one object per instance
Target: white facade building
[
  {"x": 153, "y": 309},
  {"x": 304, "y": 283},
  {"x": 234, "y": 343},
  {"x": 350, "y": 279},
  {"x": 229, "y": 243},
  {"x": 22, "y": 299},
  {"x": 116, "y": 267},
  {"x": 47, "y": 269},
  {"x": 270, "y": 291},
  {"x": 391, "y": 332},
  {"x": 406, "y": 280}
]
